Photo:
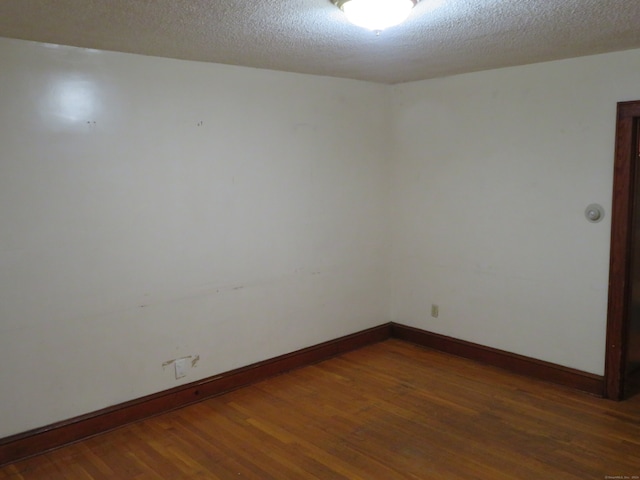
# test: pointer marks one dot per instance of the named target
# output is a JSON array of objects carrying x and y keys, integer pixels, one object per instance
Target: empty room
[{"x": 291, "y": 239}]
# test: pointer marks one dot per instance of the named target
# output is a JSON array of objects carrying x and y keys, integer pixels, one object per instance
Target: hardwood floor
[{"x": 388, "y": 411}]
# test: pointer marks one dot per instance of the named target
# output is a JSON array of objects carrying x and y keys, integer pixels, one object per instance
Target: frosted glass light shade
[{"x": 376, "y": 15}]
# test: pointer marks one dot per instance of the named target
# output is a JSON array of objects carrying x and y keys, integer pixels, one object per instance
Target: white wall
[
  {"x": 493, "y": 171},
  {"x": 152, "y": 209}
]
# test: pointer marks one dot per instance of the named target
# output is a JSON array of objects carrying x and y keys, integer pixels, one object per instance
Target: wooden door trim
[{"x": 621, "y": 237}]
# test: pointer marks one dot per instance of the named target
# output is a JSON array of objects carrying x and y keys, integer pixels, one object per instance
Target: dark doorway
[{"x": 622, "y": 366}]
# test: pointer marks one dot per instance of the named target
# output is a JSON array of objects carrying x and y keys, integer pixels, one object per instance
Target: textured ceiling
[{"x": 442, "y": 37}]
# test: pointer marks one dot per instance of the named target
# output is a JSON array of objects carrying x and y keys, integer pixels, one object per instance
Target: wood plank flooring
[{"x": 388, "y": 411}]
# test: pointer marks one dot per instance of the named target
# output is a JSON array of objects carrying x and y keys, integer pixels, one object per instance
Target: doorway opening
[{"x": 622, "y": 361}]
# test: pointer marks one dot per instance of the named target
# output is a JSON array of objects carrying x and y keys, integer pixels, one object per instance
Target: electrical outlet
[
  {"x": 435, "y": 310},
  {"x": 181, "y": 367}
]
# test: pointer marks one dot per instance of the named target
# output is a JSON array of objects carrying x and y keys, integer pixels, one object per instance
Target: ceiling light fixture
[{"x": 376, "y": 15}]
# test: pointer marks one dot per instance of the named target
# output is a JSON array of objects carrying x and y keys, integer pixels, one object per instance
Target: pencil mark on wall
[{"x": 194, "y": 361}]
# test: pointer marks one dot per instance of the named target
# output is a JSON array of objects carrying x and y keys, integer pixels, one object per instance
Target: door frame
[{"x": 624, "y": 172}]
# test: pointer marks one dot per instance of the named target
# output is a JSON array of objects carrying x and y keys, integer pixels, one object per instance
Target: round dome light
[{"x": 376, "y": 15}]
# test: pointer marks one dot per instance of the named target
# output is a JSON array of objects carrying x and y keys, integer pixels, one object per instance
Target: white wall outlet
[
  {"x": 181, "y": 367},
  {"x": 435, "y": 310}
]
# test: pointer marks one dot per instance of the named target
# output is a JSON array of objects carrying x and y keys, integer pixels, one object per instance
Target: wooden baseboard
[
  {"x": 40, "y": 440},
  {"x": 43, "y": 439},
  {"x": 531, "y": 367}
]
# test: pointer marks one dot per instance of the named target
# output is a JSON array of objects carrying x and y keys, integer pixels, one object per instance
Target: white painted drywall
[
  {"x": 493, "y": 171},
  {"x": 152, "y": 209}
]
